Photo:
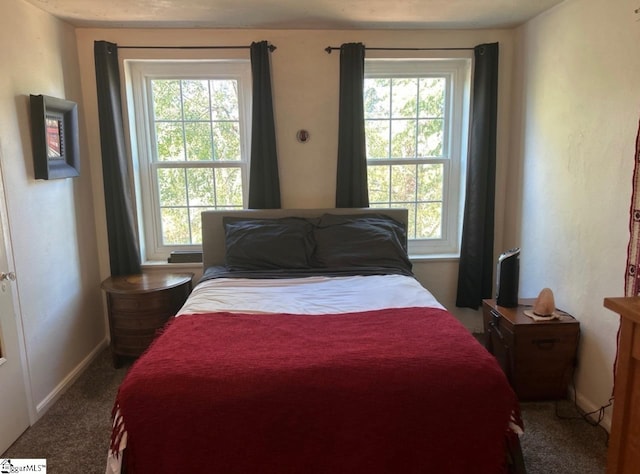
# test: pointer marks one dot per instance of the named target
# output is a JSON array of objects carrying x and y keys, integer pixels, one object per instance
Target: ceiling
[{"x": 295, "y": 14}]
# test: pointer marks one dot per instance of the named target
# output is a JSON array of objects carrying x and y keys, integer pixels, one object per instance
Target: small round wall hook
[{"x": 303, "y": 136}]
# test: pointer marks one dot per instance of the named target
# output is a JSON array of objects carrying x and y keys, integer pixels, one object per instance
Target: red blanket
[{"x": 390, "y": 391}]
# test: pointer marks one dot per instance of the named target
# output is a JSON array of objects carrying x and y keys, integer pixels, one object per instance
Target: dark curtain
[
  {"x": 351, "y": 179},
  {"x": 475, "y": 273},
  {"x": 264, "y": 182},
  {"x": 124, "y": 253}
]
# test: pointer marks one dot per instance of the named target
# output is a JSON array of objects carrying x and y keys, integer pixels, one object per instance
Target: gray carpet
[{"x": 73, "y": 435}]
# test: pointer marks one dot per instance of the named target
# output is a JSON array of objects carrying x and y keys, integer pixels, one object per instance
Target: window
[
  {"x": 416, "y": 125},
  {"x": 190, "y": 126}
]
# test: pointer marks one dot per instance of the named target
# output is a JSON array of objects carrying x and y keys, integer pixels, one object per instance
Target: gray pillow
[
  {"x": 256, "y": 244},
  {"x": 361, "y": 240}
]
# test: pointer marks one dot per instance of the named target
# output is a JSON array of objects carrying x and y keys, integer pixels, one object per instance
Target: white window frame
[
  {"x": 457, "y": 71},
  {"x": 139, "y": 74}
]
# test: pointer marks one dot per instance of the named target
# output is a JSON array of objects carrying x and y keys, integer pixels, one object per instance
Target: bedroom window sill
[
  {"x": 435, "y": 257},
  {"x": 156, "y": 264}
]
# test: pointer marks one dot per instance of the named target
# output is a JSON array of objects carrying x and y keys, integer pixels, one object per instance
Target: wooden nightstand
[
  {"x": 538, "y": 357},
  {"x": 139, "y": 305}
]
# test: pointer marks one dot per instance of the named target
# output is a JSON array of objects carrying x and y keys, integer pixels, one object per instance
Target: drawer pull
[
  {"x": 545, "y": 344},
  {"x": 495, "y": 324}
]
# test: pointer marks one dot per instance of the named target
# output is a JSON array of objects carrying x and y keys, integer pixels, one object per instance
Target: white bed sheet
[{"x": 311, "y": 295}]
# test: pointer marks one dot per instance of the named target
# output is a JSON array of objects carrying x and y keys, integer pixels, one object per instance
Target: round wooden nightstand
[{"x": 139, "y": 305}]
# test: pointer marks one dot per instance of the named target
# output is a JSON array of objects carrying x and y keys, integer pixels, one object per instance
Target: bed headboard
[{"x": 213, "y": 238}]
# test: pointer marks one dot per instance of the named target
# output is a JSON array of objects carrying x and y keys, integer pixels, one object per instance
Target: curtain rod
[
  {"x": 272, "y": 48},
  {"x": 328, "y": 49}
]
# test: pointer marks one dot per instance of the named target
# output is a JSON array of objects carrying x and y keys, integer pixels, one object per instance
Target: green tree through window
[
  {"x": 414, "y": 137},
  {"x": 195, "y": 121},
  {"x": 194, "y": 156}
]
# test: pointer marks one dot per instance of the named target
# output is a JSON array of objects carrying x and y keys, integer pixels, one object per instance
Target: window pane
[
  {"x": 200, "y": 185},
  {"x": 166, "y": 99},
  {"x": 190, "y": 118},
  {"x": 224, "y": 100},
  {"x": 377, "y": 98},
  {"x": 172, "y": 187},
  {"x": 379, "y": 182},
  {"x": 430, "y": 182},
  {"x": 427, "y": 133},
  {"x": 432, "y": 96},
  {"x": 226, "y": 141},
  {"x": 195, "y": 96},
  {"x": 169, "y": 142},
  {"x": 198, "y": 138},
  {"x": 377, "y": 133},
  {"x": 403, "y": 183},
  {"x": 404, "y": 94},
  {"x": 175, "y": 226},
  {"x": 430, "y": 137},
  {"x": 403, "y": 139},
  {"x": 228, "y": 187},
  {"x": 429, "y": 221}
]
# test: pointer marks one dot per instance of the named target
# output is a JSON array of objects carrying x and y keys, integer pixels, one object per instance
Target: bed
[{"x": 308, "y": 346}]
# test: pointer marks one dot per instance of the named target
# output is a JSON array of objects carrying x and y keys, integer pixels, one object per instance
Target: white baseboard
[
  {"x": 588, "y": 406},
  {"x": 54, "y": 395}
]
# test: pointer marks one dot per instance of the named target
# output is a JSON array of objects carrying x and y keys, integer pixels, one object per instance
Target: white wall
[
  {"x": 576, "y": 110},
  {"x": 51, "y": 222},
  {"x": 305, "y": 93}
]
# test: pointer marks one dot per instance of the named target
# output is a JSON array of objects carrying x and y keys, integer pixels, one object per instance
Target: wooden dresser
[
  {"x": 139, "y": 305},
  {"x": 538, "y": 357},
  {"x": 624, "y": 443}
]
